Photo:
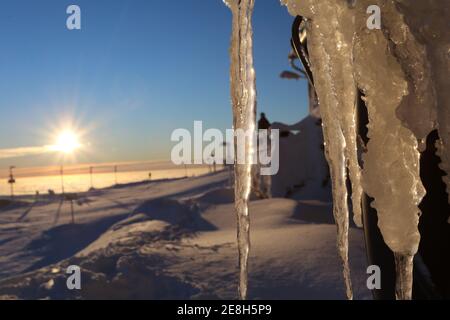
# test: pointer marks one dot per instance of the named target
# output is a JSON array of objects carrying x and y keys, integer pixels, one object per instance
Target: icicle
[
  {"x": 391, "y": 67},
  {"x": 399, "y": 69},
  {"x": 243, "y": 95},
  {"x": 391, "y": 166},
  {"x": 330, "y": 62},
  {"x": 404, "y": 281},
  {"x": 333, "y": 72},
  {"x": 427, "y": 20}
]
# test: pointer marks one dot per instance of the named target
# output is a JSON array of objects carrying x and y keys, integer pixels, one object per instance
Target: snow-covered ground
[{"x": 173, "y": 239}]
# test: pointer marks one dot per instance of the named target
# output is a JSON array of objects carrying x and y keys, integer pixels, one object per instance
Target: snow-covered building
[{"x": 303, "y": 172}]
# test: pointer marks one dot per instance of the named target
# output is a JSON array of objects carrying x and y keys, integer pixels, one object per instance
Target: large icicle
[
  {"x": 391, "y": 165},
  {"x": 397, "y": 126},
  {"x": 428, "y": 22},
  {"x": 243, "y": 95},
  {"x": 332, "y": 65},
  {"x": 402, "y": 90},
  {"x": 331, "y": 60}
]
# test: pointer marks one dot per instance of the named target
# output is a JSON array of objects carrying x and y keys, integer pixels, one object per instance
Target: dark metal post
[
  {"x": 91, "y": 169},
  {"x": 72, "y": 212},
  {"x": 11, "y": 180},
  {"x": 61, "y": 172}
]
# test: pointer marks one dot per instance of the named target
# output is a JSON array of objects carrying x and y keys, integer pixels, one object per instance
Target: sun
[{"x": 67, "y": 142}]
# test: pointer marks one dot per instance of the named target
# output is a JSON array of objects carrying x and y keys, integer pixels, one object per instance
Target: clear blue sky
[{"x": 136, "y": 71}]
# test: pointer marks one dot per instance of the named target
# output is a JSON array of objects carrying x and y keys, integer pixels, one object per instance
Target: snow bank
[{"x": 161, "y": 249}]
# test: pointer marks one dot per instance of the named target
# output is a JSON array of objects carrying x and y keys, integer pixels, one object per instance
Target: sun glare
[{"x": 67, "y": 142}]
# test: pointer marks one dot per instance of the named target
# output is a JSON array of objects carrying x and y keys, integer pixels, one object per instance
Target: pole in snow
[
  {"x": 11, "y": 180},
  {"x": 72, "y": 211},
  {"x": 61, "y": 172},
  {"x": 91, "y": 169}
]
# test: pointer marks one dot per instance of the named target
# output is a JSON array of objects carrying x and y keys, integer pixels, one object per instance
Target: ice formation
[
  {"x": 402, "y": 70},
  {"x": 243, "y": 96}
]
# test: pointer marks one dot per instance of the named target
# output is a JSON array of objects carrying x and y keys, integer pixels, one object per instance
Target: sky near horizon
[{"x": 136, "y": 71}]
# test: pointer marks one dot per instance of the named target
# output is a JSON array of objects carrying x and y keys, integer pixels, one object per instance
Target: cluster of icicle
[
  {"x": 403, "y": 71},
  {"x": 243, "y": 96}
]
